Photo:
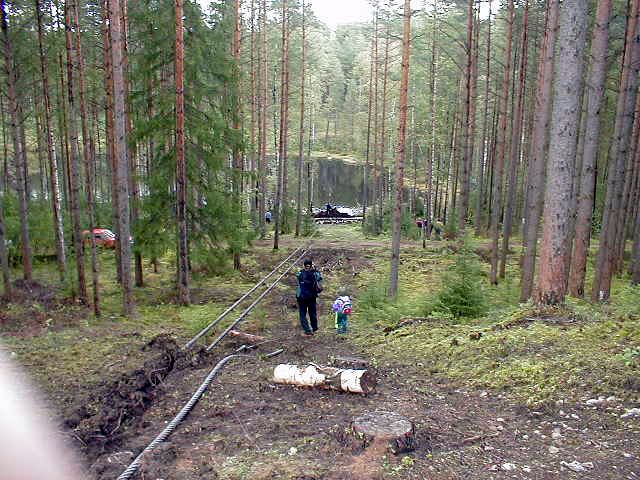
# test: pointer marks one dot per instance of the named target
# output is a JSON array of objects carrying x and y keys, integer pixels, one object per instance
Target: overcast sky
[{"x": 336, "y": 12}]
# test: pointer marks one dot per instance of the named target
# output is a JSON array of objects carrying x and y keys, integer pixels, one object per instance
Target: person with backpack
[{"x": 309, "y": 286}]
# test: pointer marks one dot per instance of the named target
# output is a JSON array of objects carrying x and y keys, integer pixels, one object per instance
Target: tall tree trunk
[
  {"x": 367, "y": 167},
  {"x": 110, "y": 131},
  {"x": 19, "y": 153},
  {"x": 385, "y": 83},
  {"x": 301, "y": 137},
  {"x": 501, "y": 140},
  {"x": 253, "y": 179},
  {"x": 635, "y": 257},
  {"x": 133, "y": 150},
  {"x": 181, "y": 164},
  {"x": 279, "y": 208},
  {"x": 88, "y": 160},
  {"x": 618, "y": 151},
  {"x": 51, "y": 153},
  {"x": 402, "y": 128},
  {"x": 262, "y": 159},
  {"x": 74, "y": 171},
  {"x": 374, "y": 162},
  {"x": 238, "y": 163},
  {"x": 516, "y": 141},
  {"x": 5, "y": 162},
  {"x": 428, "y": 204},
  {"x": 628, "y": 182},
  {"x": 563, "y": 137},
  {"x": 120, "y": 151},
  {"x": 482, "y": 164},
  {"x": 537, "y": 160},
  {"x": 284, "y": 222},
  {"x": 4, "y": 257},
  {"x": 595, "y": 85},
  {"x": 468, "y": 121}
]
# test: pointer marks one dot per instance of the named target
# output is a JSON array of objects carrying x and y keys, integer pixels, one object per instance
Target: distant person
[
  {"x": 343, "y": 307},
  {"x": 309, "y": 286},
  {"x": 267, "y": 217}
]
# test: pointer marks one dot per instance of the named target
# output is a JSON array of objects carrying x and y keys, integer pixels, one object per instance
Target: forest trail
[{"x": 247, "y": 427}]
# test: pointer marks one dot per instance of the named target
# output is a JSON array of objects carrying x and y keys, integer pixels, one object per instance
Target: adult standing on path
[{"x": 309, "y": 286}]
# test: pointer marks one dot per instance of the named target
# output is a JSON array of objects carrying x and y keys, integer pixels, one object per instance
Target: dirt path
[{"x": 248, "y": 427}]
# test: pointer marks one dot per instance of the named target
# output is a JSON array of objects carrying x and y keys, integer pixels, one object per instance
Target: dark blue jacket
[{"x": 306, "y": 284}]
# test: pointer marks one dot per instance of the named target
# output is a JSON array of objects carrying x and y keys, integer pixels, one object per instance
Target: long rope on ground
[
  {"x": 173, "y": 424},
  {"x": 252, "y": 306},
  {"x": 208, "y": 328}
]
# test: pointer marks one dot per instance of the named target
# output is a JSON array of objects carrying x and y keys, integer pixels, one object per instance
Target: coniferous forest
[{"x": 466, "y": 172}]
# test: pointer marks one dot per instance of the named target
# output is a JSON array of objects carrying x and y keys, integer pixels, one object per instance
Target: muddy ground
[{"x": 246, "y": 426}]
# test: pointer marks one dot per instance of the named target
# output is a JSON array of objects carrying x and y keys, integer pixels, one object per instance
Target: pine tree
[{"x": 569, "y": 63}]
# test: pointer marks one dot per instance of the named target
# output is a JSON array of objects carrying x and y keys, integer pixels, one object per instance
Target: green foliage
[
  {"x": 451, "y": 227},
  {"x": 461, "y": 295},
  {"x": 40, "y": 229},
  {"x": 217, "y": 226},
  {"x": 309, "y": 226}
]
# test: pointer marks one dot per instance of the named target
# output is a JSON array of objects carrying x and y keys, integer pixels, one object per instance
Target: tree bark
[
  {"x": 516, "y": 142},
  {"x": 4, "y": 257},
  {"x": 563, "y": 137},
  {"x": 58, "y": 227},
  {"x": 374, "y": 162},
  {"x": 385, "y": 83},
  {"x": 19, "y": 153},
  {"x": 501, "y": 140},
  {"x": 88, "y": 160},
  {"x": 428, "y": 204},
  {"x": 635, "y": 257},
  {"x": 367, "y": 160},
  {"x": 301, "y": 130},
  {"x": 253, "y": 179},
  {"x": 121, "y": 154},
  {"x": 402, "y": 130},
  {"x": 468, "y": 121},
  {"x": 279, "y": 208},
  {"x": 537, "y": 161},
  {"x": 482, "y": 164},
  {"x": 618, "y": 151},
  {"x": 353, "y": 381},
  {"x": 181, "y": 164},
  {"x": 595, "y": 91},
  {"x": 262, "y": 159},
  {"x": 238, "y": 163},
  {"x": 74, "y": 159}
]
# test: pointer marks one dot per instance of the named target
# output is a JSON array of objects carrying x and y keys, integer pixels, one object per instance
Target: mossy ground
[{"x": 537, "y": 355}]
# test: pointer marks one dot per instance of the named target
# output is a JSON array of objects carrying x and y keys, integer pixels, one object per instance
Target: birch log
[{"x": 354, "y": 381}]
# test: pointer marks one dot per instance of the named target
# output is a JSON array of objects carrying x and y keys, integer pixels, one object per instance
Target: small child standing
[{"x": 343, "y": 308}]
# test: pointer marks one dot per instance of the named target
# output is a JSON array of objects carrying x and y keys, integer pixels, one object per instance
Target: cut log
[
  {"x": 247, "y": 337},
  {"x": 385, "y": 427},
  {"x": 354, "y": 381}
]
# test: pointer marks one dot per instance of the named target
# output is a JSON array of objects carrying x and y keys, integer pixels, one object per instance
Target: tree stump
[
  {"x": 385, "y": 427},
  {"x": 354, "y": 381}
]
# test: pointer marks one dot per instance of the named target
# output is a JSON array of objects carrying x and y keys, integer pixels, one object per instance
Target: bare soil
[{"x": 36, "y": 308}]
